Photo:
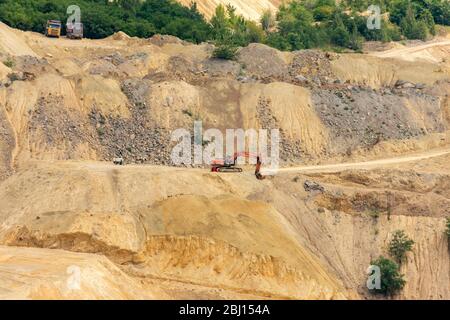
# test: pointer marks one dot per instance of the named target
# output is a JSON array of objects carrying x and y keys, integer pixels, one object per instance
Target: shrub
[
  {"x": 267, "y": 20},
  {"x": 400, "y": 245},
  {"x": 394, "y": 33},
  {"x": 391, "y": 279},
  {"x": 277, "y": 41},
  {"x": 187, "y": 112},
  {"x": 297, "y": 25},
  {"x": 374, "y": 213},
  {"x": 355, "y": 40},
  {"x": 225, "y": 51},
  {"x": 101, "y": 131},
  {"x": 254, "y": 33},
  {"x": 9, "y": 63}
]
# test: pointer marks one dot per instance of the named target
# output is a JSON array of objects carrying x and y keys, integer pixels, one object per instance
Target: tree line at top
[{"x": 299, "y": 24}]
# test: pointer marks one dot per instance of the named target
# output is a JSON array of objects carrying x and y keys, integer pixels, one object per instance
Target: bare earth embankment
[{"x": 371, "y": 129}]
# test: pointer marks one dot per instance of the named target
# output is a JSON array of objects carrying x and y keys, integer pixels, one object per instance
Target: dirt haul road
[
  {"x": 324, "y": 168},
  {"x": 361, "y": 165},
  {"x": 429, "y": 51}
]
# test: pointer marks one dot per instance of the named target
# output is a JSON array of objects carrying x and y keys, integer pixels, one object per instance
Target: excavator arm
[
  {"x": 248, "y": 155},
  {"x": 258, "y": 174}
]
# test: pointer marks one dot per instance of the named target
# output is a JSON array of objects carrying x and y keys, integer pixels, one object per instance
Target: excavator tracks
[{"x": 229, "y": 170}]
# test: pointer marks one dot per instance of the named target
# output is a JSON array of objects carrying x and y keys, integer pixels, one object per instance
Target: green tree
[
  {"x": 391, "y": 279},
  {"x": 440, "y": 10},
  {"x": 254, "y": 33},
  {"x": 276, "y": 40},
  {"x": 412, "y": 28},
  {"x": 296, "y": 25},
  {"x": 220, "y": 24},
  {"x": 427, "y": 17},
  {"x": 340, "y": 34},
  {"x": 267, "y": 20},
  {"x": 323, "y": 13},
  {"x": 229, "y": 28},
  {"x": 398, "y": 9},
  {"x": 399, "y": 245},
  {"x": 299, "y": 24},
  {"x": 355, "y": 39},
  {"x": 130, "y": 5}
]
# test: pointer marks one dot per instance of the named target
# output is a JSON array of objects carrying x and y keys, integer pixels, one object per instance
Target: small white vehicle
[{"x": 118, "y": 161}]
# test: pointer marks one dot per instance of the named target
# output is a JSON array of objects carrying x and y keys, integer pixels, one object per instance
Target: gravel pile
[
  {"x": 312, "y": 68},
  {"x": 137, "y": 139},
  {"x": 290, "y": 150},
  {"x": 362, "y": 117}
]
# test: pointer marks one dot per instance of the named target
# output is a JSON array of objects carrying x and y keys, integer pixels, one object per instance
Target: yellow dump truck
[{"x": 53, "y": 28}]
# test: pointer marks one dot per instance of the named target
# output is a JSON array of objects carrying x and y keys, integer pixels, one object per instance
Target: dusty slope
[
  {"x": 414, "y": 201},
  {"x": 211, "y": 236},
  {"x": 30, "y": 273},
  {"x": 12, "y": 42},
  {"x": 4, "y": 71},
  {"x": 378, "y": 72},
  {"x": 250, "y": 9},
  {"x": 232, "y": 232},
  {"x": 27, "y": 273},
  {"x": 353, "y": 220}
]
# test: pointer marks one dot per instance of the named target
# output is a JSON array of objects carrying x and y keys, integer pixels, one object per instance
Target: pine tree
[{"x": 400, "y": 245}]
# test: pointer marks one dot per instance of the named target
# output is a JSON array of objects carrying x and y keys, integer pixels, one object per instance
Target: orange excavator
[{"x": 230, "y": 164}]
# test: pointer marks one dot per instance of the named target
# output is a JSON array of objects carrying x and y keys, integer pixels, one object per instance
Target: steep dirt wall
[
  {"x": 377, "y": 72},
  {"x": 270, "y": 238},
  {"x": 29, "y": 273},
  {"x": 4, "y": 71},
  {"x": 12, "y": 42},
  {"x": 232, "y": 105},
  {"x": 427, "y": 269},
  {"x": 141, "y": 218},
  {"x": 7, "y": 145},
  {"x": 347, "y": 241}
]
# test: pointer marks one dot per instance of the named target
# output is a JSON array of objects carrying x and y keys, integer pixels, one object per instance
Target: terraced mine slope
[{"x": 150, "y": 230}]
